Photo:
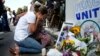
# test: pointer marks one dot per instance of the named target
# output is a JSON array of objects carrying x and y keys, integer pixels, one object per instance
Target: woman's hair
[
  {"x": 36, "y": 8},
  {"x": 40, "y": 8},
  {"x": 33, "y": 1}
]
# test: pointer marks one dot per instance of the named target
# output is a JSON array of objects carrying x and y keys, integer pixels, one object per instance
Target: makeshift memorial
[
  {"x": 63, "y": 33},
  {"x": 54, "y": 52},
  {"x": 70, "y": 41}
]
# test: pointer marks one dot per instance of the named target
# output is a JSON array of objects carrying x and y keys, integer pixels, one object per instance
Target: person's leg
[
  {"x": 13, "y": 20},
  {"x": 29, "y": 50},
  {"x": 29, "y": 45}
]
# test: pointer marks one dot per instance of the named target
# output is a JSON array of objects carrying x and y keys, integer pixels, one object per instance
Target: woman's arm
[{"x": 33, "y": 26}]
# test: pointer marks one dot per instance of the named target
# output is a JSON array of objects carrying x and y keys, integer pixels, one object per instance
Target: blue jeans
[{"x": 29, "y": 45}]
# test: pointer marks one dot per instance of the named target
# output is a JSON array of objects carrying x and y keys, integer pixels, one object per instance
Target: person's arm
[{"x": 33, "y": 26}]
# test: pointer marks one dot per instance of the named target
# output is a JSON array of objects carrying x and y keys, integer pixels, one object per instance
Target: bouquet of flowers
[
  {"x": 68, "y": 45},
  {"x": 69, "y": 48}
]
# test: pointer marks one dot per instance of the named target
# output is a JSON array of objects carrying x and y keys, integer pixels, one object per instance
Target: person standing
[
  {"x": 14, "y": 17},
  {"x": 1, "y": 12},
  {"x": 5, "y": 25},
  {"x": 10, "y": 15}
]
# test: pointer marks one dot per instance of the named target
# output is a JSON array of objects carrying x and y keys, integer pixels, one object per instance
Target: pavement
[
  {"x": 1, "y": 33},
  {"x": 6, "y": 39}
]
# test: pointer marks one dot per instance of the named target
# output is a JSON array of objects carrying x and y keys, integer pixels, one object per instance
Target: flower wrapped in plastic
[
  {"x": 67, "y": 44},
  {"x": 76, "y": 30}
]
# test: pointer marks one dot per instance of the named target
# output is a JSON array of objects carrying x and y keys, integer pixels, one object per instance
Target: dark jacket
[{"x": 1, "y": 7}]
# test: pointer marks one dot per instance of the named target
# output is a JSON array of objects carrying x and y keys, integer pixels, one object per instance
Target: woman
[{"x": 26, "y": 26}]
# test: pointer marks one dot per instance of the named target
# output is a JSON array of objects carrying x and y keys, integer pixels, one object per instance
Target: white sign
[{"x": 85, "y": 13}]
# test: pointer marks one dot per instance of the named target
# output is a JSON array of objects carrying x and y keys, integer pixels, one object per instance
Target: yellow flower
[
  {"x": 72, "y": 42},
  {"x": 67, "y": 41},
  {"x": 75, "y": 30}
]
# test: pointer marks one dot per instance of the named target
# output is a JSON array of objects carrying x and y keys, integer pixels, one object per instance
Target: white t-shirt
[
  {"x": 9, "y": 15},
  {"x": 22, "y": 31}
]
